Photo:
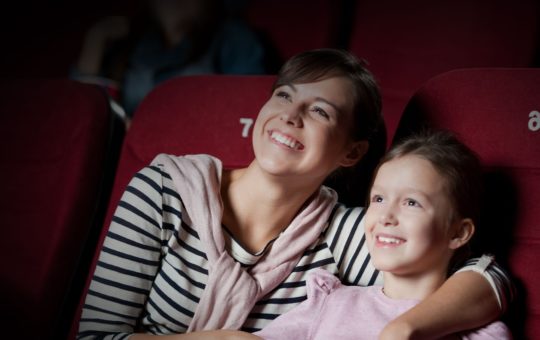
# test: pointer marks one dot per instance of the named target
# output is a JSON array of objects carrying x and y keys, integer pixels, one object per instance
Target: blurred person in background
[{"x": 130, "y": 56}]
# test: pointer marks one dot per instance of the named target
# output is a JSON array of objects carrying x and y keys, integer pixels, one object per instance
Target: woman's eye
[
  {"x": 283, "y": 94},
  {"x": 321, "y": 112}
]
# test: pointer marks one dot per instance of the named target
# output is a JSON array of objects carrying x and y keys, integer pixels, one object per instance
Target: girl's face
[
  {"x": 303, "y": 130},
  {"x": 407, "y": 223}
]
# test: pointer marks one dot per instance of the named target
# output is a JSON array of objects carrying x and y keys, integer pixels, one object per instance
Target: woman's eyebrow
[
  {"x": 293, "y": 88},
  {"x": 337, "y": 108},
  {"x": 334, "y": 106}
]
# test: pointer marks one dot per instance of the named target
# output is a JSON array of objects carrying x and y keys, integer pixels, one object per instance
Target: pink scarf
[{"x": 231, "y": 291}]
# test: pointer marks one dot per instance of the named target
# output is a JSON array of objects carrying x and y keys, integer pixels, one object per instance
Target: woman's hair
[
  {"x": 316, "y": 65},
  {"x": 457, "y": 164}
]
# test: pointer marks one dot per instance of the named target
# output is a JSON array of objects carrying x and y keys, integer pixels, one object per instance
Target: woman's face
[
  {"x": 303, "y": 129},
  {"x": 407, "y": 222}
]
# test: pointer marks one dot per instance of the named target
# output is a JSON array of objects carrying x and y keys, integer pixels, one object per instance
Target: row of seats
[
  {"x": 57, "y": 156},
  {"x": 405, "y": 43},
  {"x": 58, "y": 143}
]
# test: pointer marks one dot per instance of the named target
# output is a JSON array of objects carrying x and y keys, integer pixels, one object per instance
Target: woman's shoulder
[
  {"x": 169, "y": 170},
  {"x": 345, "y": 218},
  {"x": 155, "y": 183}
]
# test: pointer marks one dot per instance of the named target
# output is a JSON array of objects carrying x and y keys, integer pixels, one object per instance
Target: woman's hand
[
  {"x": 401, "y": 330},
  {"x": 396, "y": 330}
]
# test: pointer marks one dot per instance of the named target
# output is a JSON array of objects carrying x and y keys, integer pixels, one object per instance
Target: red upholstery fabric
[
  {"x": 295, "y": 26},
  {"x": 53, "y": 135},
  {"x": 496, "y": 112},
  {"x": 408, "y": 42}
]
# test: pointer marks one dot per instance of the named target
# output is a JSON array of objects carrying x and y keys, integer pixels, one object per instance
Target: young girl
[
  {"x": 422, "y": 208},
  {"x": 195, "y": 247}
]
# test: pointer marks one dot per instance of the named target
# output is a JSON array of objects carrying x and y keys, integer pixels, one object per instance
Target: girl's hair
[
  {"x": 320, "y": 64},
  {"x": 456, "y": 163}
]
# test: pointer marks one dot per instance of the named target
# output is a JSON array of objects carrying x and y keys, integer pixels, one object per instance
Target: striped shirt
[{"x": 152, "y": 269}]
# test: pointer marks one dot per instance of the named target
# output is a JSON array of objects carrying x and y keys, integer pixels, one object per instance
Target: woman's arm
[
  {"x": 128, "y": 261},
  {"x": 468, "y": 299}
]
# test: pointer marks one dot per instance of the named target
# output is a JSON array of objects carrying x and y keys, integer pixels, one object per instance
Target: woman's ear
[
  {"x": 356, "y": 152},
  {"x": 462, "y": 234}
]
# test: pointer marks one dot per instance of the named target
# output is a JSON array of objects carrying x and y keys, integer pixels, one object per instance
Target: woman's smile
[{"x": 285, "y": 140}]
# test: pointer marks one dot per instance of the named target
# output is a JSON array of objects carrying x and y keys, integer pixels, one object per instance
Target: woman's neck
[{"x": 257, "y": 207}]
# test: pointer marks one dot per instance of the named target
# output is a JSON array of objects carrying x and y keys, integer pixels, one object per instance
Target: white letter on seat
[{"x": 534, "y": 122}]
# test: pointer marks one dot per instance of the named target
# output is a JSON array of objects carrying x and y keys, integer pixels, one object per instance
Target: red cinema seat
[
  {"x": 291, "y": 27},
  {"x": 211, "y": 114},
  {"x": 408, "y": 42},
  {"x": 189, "y": 115},
  {"x": 496, "y": 111},
  {"x": 54, "y": 140}
]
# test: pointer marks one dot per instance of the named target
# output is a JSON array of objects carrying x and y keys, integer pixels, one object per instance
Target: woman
[{"x": 193, "y": 247}]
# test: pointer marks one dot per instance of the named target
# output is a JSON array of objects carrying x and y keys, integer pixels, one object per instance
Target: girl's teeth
[{"x": 384, "y": 239}]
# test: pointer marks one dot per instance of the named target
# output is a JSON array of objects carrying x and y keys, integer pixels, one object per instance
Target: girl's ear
[
  {"x": 462, "y": 234},
  {"x": 355, "y": 154}
]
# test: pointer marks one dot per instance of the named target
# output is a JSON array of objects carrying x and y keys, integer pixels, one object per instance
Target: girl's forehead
[{"x": 410, "y": 170}]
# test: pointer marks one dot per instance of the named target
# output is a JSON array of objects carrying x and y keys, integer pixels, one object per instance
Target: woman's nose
[{"x": 292, "y": 115}]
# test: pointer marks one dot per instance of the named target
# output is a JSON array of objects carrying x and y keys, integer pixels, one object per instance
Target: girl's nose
[{"x": 388, "y": 218}]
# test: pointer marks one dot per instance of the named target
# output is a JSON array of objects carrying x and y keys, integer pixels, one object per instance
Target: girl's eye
[
  {"x": 376, "y": 199},
  {"x": 412, "y": 203}
]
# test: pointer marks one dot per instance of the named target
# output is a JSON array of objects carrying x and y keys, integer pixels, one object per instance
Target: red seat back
[
  {"x": 496, "y": 112},
  {"x": 53, "y": 139},
  {"x": 408, "y": 42},
  {"x": 189, "y": 115},
  {"x": 295, "y": 26}
]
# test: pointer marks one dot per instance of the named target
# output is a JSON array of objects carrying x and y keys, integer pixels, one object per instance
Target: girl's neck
[
  {"x": 257, "y": 207},
  {"x": 413, "y": 287}
]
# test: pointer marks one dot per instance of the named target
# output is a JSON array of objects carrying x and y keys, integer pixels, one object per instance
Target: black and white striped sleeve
[
  {"x": 497, "y": 277},
  {"x": 347, "y": 242},
  {"x": 128, "y": 261}
]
